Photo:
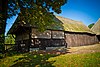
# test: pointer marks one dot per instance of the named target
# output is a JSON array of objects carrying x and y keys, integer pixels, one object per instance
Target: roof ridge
[{"x": 68, "y": 18}]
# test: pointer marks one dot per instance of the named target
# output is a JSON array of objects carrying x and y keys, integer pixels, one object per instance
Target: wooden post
[
  {"x": 30, "y": 33},
  {"x": 65, "y": 43},
  {"x": 51, "y": 37}
]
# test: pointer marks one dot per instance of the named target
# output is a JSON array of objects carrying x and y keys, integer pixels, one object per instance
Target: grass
[
  {"x": 77, "y": 60},
  {"x": 27, "y": 60},
  {"x": 87, "y": 59}
]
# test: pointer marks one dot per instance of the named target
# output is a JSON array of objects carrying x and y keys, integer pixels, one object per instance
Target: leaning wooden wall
[{"x": 73, "y": 39}]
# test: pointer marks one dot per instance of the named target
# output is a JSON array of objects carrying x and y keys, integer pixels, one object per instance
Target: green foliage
[
  {"x": 9, "y": 39},
  {"x": 1, "y": 42},
  {"x": 29, "y": 7},
  {"x": 1, "y": 56},
  {"x": 36, "y": 12},
  {"x": 91, "y": 25}
]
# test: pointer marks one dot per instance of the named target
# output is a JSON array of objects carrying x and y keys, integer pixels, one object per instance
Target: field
[{"x": 83, "y": 56}]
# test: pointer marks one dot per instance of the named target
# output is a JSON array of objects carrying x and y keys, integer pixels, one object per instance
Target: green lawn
[
  {"x": 77, "y": 60},
  {"x": 88, "y": 59},
  {"x": 27, "y": 60}
]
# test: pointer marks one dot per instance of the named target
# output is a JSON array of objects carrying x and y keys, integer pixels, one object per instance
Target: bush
[{"x": 2, "y": 56}]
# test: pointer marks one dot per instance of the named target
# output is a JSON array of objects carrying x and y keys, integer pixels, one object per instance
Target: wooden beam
[{"x": 30, "y": 33}]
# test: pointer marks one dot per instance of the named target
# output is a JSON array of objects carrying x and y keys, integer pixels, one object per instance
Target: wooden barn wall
[
  {"x": 98, "y": 36},
  {"x": 57, "y": 34},
  {"x": 47, "y": 34},
  {"x": 22, "y": 41},
  {"x": 49, "y": 38},
  {"x": 22, "y": 45},
  {"x": 40, "y": 42},
  {"x": 73, "y": 39},
  {"x": 37, "y": 34},
  {"x": 22, "y": 36}
]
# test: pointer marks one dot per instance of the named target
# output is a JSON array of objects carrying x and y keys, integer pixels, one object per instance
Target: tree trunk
[{"x": 3, "y": 18}]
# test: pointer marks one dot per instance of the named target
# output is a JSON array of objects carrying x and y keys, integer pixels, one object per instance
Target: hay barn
[
  {"x": 69, "y": 34},
  {"x": 96, "y": 29}
]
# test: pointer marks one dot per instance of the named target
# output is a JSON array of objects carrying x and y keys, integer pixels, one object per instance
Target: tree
[
  {"x": 3, "y": 18},
  {"x": 91, "y": 25},
  {"x": 36, "y": 12}
]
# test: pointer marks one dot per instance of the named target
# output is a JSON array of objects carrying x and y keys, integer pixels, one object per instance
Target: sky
[{"x": 86, "y": 11}]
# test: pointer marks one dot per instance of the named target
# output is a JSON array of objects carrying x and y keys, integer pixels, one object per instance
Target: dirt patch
[{"x": 85, "y": 49}]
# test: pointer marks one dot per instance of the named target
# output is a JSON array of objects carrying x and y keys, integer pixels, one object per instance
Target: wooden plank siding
[
  {"x": 73, "y": 39},
  {"x": 98, "y": 36},
  {"x": 49, "y": 38},
  {"x": 35, "y": 39},
  {"x": 22, "y": 40},
  {"x": 52, "y": 38}
]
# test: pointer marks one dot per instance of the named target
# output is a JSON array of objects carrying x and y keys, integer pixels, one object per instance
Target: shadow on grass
[
  {"x": 9, "y": 54},
  {"x": 38, "y": 59},
  {"x": 34, "y": 60}
]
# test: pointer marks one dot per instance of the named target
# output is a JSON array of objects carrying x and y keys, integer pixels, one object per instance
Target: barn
[
  {"x": 69, "y": 33},
  {"x": 96, "y": 29}
]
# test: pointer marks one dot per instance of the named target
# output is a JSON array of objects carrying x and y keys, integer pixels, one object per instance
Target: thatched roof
[
  {"x": 73, "y": 26},
  {"x": 96, "y": 27},
  {"x": 65, "y": 25}
]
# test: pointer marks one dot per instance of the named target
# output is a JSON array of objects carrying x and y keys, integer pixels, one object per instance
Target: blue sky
[{"x": 87, "y": 11}]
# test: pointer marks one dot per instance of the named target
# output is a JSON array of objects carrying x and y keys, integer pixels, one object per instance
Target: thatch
[
  {"x": 96, "y": 27},
  {"x": 73, "y": 26},
  {"x": 64, "y": 24}
]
